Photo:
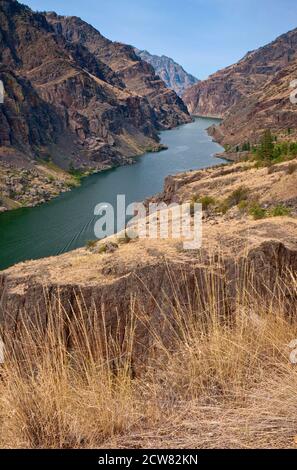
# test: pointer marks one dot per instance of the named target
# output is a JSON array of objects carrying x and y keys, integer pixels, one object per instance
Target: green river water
[{"x": 67, "y": 222}]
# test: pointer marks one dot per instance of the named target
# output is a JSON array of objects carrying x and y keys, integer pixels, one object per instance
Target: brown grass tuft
[{"x": 211, "y": 374}]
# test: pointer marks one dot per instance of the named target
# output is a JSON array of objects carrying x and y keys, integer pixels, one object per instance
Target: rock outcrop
[{"x": 172, "y": 74}]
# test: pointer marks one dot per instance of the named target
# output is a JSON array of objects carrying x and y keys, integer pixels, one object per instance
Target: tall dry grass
[{"x": 208, "y": 375}]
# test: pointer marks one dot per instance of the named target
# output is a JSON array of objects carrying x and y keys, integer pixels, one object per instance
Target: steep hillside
[
  {"x": 63, "y": 103},
  {"x": 136, "y": 75},
  {"x": 216, "y": 95},
  {"x": 171, "y": 73},
  {"x": 268, "y": 107}
]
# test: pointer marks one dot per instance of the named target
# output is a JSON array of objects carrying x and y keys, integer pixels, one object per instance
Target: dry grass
[{"x": 206, "y": 379}]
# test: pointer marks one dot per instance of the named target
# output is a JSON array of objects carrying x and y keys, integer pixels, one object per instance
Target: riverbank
[
  {"x": 208, "y": 116},
  {"x": 67, "y": 222},
  {"x": 233, "y": 156},
  {"x": 32, "y": 185},
  {"x": 41, "y": 181}
]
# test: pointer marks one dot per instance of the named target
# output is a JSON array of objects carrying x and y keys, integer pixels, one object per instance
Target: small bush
[
  {"x": 243, "y": 206},
  {"x": 279, "y": 211},
  {"x": 76, "y": 173},
  {"x": 195, "y": 199},
  {"x": 259, "y": 164},
  {"x": 91, "y": 243},
  {"x": 102, "y": 249},
  {"x": 257, "y": 212},
  {"x": 222, "y": 207},
  {"x": 206, "y": 202},
  {"x": 240, "y": 194}
]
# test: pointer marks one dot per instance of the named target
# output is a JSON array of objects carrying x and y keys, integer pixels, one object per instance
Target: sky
[{"x": 201, "y": 35}]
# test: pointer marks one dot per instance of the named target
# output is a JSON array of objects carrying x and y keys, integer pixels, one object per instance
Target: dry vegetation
[{"x": 209, "y": 376}]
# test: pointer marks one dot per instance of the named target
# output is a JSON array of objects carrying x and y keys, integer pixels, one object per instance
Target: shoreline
[
  {"x": 71, "y": 181},
  {"x": 202, "y": 116},
  {"x": 232, "y": 157},
  {"x": 77, "y": 179},
  {"x": 74, "y": 181},
  {"x": 83, "y": 194}
]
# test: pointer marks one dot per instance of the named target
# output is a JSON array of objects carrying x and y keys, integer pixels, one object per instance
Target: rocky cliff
[
  {"x": 220, "y": 91},
  {"x": 75, "y": 97},
  {"x": 133, "y": 73},
  {"x": 172, "y": 74},
  {"x": 252, "y": 94},
  {"x": 267, "y": 107}
]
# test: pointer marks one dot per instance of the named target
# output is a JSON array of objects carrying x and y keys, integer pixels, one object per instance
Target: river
[{"x": 67, "y": 222}]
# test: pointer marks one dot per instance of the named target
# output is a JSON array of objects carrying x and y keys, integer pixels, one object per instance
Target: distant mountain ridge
[
  {"x": 252, "y": 94},
  {"x": 172, "y": 74}
]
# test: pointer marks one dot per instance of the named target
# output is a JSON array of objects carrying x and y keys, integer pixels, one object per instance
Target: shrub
[
  {"x": 243, "y": 206},
  {"x": 102, "y": 249},
  {"x": 266, "y": 148},
  {"x": 280, "y": 211},
  {"x": 222, "y": 207},
  {"x": 246, "y": 147},
  {"x": 195, "y": 198},
  {"x": 77, "y": 174},
  {"x": 270, "y": 150},
  {"x": 91, "y": 243},
  {"x": 257, "y": 212},
  {"x": 206, "y": 202},
  {"x": 240, "y": 194}
]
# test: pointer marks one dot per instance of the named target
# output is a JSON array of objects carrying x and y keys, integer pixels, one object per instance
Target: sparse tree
[{"x": 266, "y": 146}]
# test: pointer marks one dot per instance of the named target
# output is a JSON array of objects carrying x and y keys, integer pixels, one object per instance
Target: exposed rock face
[
  {"x": 252, "y": 94},
  {"x": 268, "y": 107},
  {"x": 220, "y": 91},
  {"x": 26, "y": 120},
  {"x": 132, "y": 72},
  {"x": 172, "y": 74},
  {"x": 109, "y": 281},
  {"x": 67, "y": 101}
]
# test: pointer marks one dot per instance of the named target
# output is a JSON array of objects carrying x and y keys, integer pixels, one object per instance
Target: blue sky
[{"x": 202, "y": 35}]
